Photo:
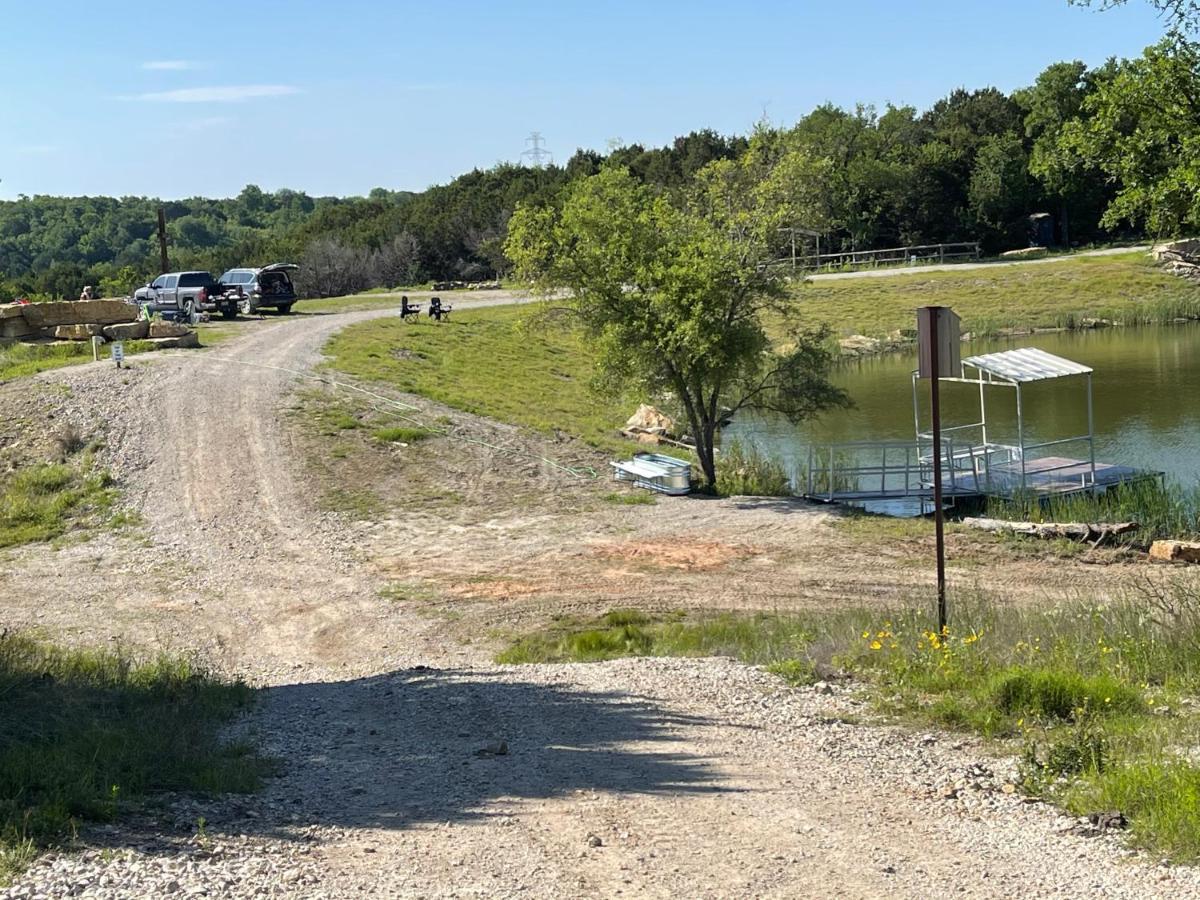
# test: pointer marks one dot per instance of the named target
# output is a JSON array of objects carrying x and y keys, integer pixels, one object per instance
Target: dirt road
[{"x": 416, "y": 767}]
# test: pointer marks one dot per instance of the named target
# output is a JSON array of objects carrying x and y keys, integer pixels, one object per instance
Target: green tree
[
  {"x": 1000, "y": 187},
  {"x": 675, "y": 293},
  {"x": 1143, "y": 132},
  {"x": 1055, "y": 99}
]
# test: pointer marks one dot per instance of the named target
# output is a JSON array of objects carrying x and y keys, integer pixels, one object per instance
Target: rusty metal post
[{"x": 935, "y": 401}]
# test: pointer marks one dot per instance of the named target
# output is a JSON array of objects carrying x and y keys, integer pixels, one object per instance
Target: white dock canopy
[
  {"x": 1025, "y": 365},
  {"x": 1011, "y": 464}
]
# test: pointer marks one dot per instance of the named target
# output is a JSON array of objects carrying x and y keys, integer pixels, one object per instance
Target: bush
[{"x": 744, "y": 470}]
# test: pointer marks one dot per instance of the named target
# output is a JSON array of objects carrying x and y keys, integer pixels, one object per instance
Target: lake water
[{"x": 1146, "y": 392}]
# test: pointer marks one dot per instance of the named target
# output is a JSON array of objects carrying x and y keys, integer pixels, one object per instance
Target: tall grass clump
[
  {"x": 43, "y": 501},
  {"x": 761, "y": 639},
  {"x": 1161, "y": 509},
  {"x": 744, "y": 470},
  {"x": 85, "y": 734}
]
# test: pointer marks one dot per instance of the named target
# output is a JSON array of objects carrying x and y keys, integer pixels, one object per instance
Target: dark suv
[{"x": 268, "y": 286}]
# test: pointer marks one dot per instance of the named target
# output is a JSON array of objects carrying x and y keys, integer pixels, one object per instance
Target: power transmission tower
[
  {"x": 614, "y": 143},
  {"x": 537, "y": 155}
]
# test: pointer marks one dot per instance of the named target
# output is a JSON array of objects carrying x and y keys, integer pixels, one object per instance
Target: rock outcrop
[
  {"x": 77, "y": 332},
  {"x": 161, "y": 329},
  {"x": 128, "y": 331},
  {"x": 1175, "y": 551},
  {"x": 78, "y": 312}
]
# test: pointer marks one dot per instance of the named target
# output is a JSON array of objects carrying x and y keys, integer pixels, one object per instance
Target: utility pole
[
  {"x": 536, "y": 153},
  {"x": 163, "y": 264}
]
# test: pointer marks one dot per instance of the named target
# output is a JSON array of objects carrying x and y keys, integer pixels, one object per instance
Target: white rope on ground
[{"x": 582, "y": 472}]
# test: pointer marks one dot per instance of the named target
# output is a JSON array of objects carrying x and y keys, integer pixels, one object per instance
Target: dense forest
[{"x": 1109, "y": 152}]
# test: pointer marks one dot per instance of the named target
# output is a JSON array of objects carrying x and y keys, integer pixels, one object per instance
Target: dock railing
[{"x": 882, "y": 470}]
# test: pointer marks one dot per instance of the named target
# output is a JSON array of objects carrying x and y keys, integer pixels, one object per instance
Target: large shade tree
[
  {"x": 1143, "y": 131},
  {"x": 677, "y": 292}
]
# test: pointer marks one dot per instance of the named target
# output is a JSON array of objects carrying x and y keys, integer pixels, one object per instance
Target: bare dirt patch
[{"x": 683, "y": 553}]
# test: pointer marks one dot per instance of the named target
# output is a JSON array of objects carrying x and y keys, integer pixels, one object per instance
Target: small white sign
[{"x": 118, "y": 352}]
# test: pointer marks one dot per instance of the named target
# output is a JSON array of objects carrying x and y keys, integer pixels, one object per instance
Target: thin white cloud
[
  {"x": 170, "y": 65},
  {"x": 234, "y": 93},
  {"x": 36, "y": 149}
]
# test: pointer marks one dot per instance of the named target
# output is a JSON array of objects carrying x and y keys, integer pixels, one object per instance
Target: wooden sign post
[{"x": 938, "y": 356}]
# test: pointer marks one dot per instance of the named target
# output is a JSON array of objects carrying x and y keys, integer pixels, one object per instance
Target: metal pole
[
  {"x": 938, "y": 524},
  {"x": 982, "y": 408},
  {"x": 1021, "y": 436},
  {"x": 1091, "y": 431}
]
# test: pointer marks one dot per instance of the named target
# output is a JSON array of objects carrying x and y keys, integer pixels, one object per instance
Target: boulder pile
[
  {"x": 82, "y": 320},
  {"x": 1180, "y": 257},
  {"x": 648, "y": 425}
]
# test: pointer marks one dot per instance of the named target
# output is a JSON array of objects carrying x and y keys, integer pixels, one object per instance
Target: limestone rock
[
  {"x": 649, "y": 420},
  {"x": 16, "y": 327},
  {"x": 11, "y": 311},
  {"x": 127, "y": 331},
  {"x": 190, "y": 339},
  {"x": 1176, "y": 551},
  {"x": 1177, "y": 249},
  {"x": 163, "y": 329},
  {"x": 77, "y": 332},
  {"x": 78, "y": 312},
  {"x": 1025, "y": 253}
]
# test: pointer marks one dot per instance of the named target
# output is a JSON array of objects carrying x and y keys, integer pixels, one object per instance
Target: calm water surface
[{"x": 1146, "y": 392}]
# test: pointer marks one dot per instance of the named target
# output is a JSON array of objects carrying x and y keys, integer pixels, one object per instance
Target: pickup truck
[{"x": 179, "y": 293}]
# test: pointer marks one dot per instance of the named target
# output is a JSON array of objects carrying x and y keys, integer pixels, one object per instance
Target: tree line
[{"x": 1110, "y": 152}]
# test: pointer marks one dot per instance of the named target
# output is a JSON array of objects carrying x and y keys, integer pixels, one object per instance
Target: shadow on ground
[{"x": 427, "y": 745}]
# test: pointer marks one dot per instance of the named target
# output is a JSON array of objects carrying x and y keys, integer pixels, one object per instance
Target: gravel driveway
[{"x": 415, "y": 767}]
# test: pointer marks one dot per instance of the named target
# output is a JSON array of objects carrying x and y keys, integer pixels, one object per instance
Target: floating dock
[{"x": 974, "y": 463}]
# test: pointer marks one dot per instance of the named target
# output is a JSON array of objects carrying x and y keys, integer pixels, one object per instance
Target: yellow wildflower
[{"x": 875, "y": 645}]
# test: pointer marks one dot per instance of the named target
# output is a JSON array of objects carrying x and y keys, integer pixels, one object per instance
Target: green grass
[
  {"x": 630, "y": 498},
  {"x": 88, "y": 734},
  {"x": 1076, "y": 690},
  {"x": 761, "y": 639},
  {"x": 18, "y": 360},
  {"x": 351, "y": 303},
  {"x": 45, "y": 501},
  {"x": 401, "y": 434},
  {"x": 1125, "y": 289},
  {"x": 492, "y": 362}
]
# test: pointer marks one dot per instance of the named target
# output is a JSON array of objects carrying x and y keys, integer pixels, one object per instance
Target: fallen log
[{"x": 1094, "y": 532}]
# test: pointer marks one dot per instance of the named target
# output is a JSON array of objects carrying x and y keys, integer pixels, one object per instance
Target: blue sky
[{"x": 173, "y": 100}]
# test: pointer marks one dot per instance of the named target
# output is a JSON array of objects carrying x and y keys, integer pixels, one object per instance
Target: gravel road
[{"x": 414, "y": 767}]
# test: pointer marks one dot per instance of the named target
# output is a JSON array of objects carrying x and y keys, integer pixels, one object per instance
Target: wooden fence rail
[{"x": 939, "y": 253}]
